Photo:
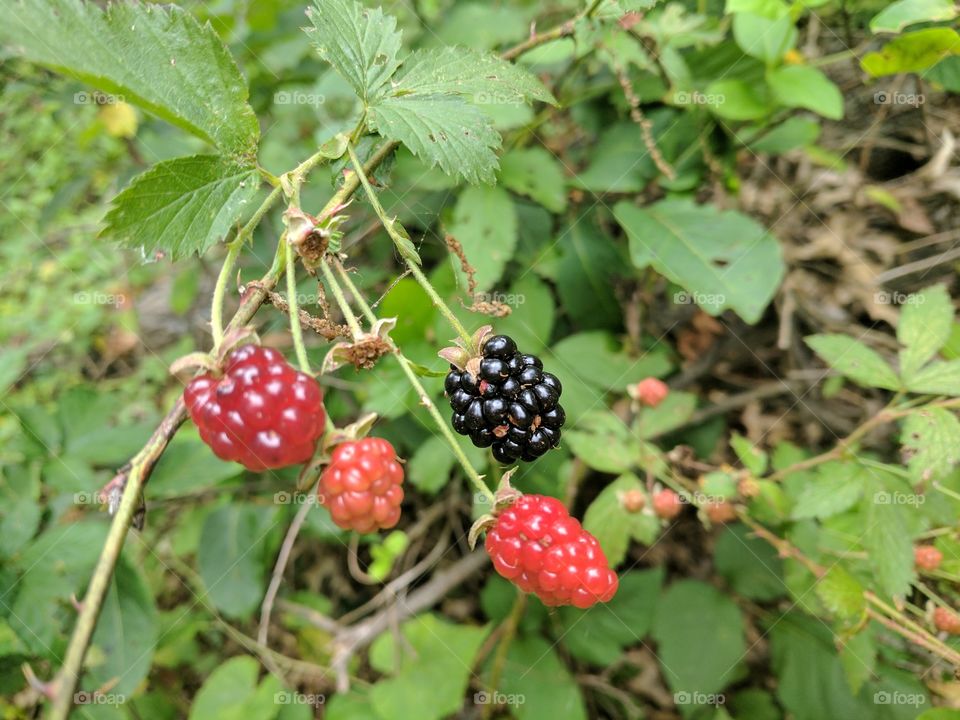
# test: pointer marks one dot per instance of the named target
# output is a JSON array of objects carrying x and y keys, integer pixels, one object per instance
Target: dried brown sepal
[
  {"x": 455, "y": 355},
  {"x": 482, "y": 524},
  {"x": 213, "y": 362},
  {"x": 364, "y": 351},
  {"x": 506, "y": 495},
  {"x": 194, "y": 361}
]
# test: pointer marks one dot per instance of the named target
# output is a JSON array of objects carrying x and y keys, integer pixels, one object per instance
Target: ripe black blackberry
[{"x": 504, "y": 400}]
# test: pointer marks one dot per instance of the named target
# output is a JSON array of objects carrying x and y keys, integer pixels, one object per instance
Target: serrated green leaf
[
  {"x": 931, "y": 440},
  {"x": 937, "y": 378},
  {"x": 360, "y": 43},
  {"x": 912, "y": 52},
  {"x": 183, "y": 205},
  {"x": 608, "y": 521},
  {"x": 480, "y": 76},
  {"x": 724, "y": 259},
  {"x": 835, "y": 489},
  {"x": 854, "y": 360},
  {"x": 887, "y": 540},
  {"x": 597, "y": 359},
  {"x": 675, "y": 410},
  {"x": 441, "y": 130},
  {"x": 842, "y": 594},
  {"x": 158, "y": 57},
  {"x": 924, "y": 328},
  {"x": 485, "y": 223},
  {"x": 898, "y": 15},
  {"x": 441, "y": 659},
  {"x": 692, "y": 660},
  {"x": 806, "y": 87},
  {"x": 536, "y": 173}
]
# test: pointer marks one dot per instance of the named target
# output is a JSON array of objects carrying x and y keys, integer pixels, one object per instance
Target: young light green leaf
[
  {"x": 155, "y": 56},
  {"x": 674, "y": 411},
  {"x": 912, "y": 52},
  {"x": 855, "y": 360},
  {"x": 183, "y": 205},
  {"x": 931, "y": 441},
  {"x": 485, "y": 223},
  {"x": 441, "y": 130},
  {"x": 480, "y": 76},
  {"x": 764, "y": 38},
  {"x": 723, "y": 258},
  {"x": 360, "y": 43},
  {"x": 924, "y": 328},
  {"x": 604, "y": 443},
  {"x": 937, "y": 378},
  {"x": 536, "y": 173},
  {"x": 898, "y": 15},
  {"x": 806, "y": 87},
  {"x": 613, "y": 526}
]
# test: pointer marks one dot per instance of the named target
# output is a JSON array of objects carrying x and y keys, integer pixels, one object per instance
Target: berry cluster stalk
[{"x": 407, "y": 368}]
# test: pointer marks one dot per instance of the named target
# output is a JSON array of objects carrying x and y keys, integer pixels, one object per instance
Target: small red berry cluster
[{"x": 535, "y": 544}]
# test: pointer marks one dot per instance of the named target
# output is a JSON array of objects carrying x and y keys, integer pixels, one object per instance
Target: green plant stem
[
  {"x": 411, "y": 264},
  {"x": 405, "y": 365},
  {"x": 230, "y": 261},
  {"x": 341, "y": 301},
  {"x": 293, "y": 302}
]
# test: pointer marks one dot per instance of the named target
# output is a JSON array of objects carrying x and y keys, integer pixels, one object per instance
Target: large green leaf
[
  {"x": 442, "y": 130},
  {"x": 749, "y": 564},
  {"x": 485, "y": 223},
  {"x": 604, "y": 443},
  {"x": 183, "y": 205},
  {"x": 931, "y": 441},
  {"x": 231, "y": 556},
  {"x": 440, "y": 658},
  {"x": 724, "y": 259},
  {"x": 695, "y": 661},
  {"x": 126, "y": 632},
  {"x": 834, "y": 489},
  {"x": 157, "y": 56},
  {"x": 536, "y": 173},
  {"x": 360, "y": 43},
  {"x": 924, "y": 328},
  {"x": 481, "y": 76},
  {"x": 855, "y": 360},
  {"x": 912, "y": 52},
  {"x": 898, "y": 15},
  {"x": 231, "y": 693},
  {"x": 538, "y": 682},
  {"x": 764, "y": 38},
  {"x": 806, "y": 87}
]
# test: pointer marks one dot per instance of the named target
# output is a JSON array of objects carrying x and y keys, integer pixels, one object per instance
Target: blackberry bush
[{"x": 505, "y": 400}]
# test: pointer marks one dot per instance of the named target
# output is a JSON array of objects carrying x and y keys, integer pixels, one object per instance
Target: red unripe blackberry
[
  {"x": 667, "y": 504},
  {"x": 649, "y": 391},
  {"x": 262, "y": 412},
  {"x": 927, "y": 557},
  {"x": 946, "y": 621},
  {"x": 362, "y": 485},
  {"x": 535, "y": 544}
]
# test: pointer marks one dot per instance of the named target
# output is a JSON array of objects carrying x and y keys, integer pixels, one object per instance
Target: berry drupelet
[
  {"x": 504, "y": 400},
  {"x": 262, "y": 413}
]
